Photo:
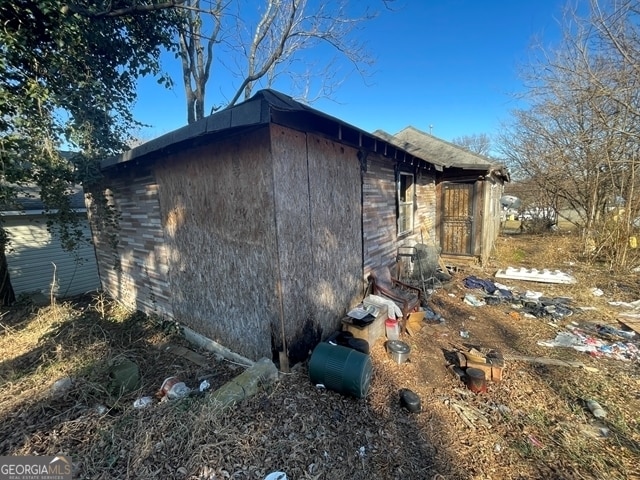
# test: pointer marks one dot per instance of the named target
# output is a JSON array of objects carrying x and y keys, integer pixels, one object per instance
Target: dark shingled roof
[
  {"x": 441, "y": 152},
  {"x": 28, "y": 199}
]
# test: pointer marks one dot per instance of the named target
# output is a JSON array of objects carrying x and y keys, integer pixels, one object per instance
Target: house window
[{"x": 406, "y": 194}]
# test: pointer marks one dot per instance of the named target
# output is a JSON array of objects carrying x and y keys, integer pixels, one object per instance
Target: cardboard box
[{"x": 371, "y": 332}]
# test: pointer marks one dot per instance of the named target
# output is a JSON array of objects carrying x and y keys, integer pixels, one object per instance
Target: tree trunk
[{"x": 7, "y": 295}]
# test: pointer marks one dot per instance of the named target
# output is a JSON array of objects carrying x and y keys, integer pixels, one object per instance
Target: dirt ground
[{"x": 533, "y": 424}]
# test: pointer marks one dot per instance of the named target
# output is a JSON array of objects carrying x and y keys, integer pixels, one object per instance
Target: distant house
[
  {"x": 35, "y": 254},
  {"x": 258, "y": 226},
  {"x": 468, "y": 191}
]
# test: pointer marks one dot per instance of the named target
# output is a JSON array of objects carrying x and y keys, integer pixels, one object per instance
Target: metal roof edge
[
  {"x": 252, "y": 112},
  {"x": 260, "y": 110}
]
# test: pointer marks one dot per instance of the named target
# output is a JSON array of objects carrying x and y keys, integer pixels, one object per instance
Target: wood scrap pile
[{"x": 490, "y": 362}]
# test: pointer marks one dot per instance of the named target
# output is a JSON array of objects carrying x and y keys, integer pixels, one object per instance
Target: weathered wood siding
[
  {"x": 318, "y": 217},
  {"x": 380, "y": 235},
  {"x": 257, "y": 241},
  {"x": 135, "y": 270},
  {"x": 218, "y": 214},
  {"x": 492, "y": 193},
  {"x": 33, "y": 252}
]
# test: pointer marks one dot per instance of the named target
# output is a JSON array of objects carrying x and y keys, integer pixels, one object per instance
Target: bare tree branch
[
  {"x": 578, "y": 141},
  {"x": 134, "y": 9},
  {"x": 271, "y": 48}
]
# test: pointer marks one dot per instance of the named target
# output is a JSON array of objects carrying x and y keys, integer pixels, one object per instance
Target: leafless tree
[
  {"x": 258, "y": 45},
  {"x": 479, "y": 143},
  {"x": 578, "y": 140}
]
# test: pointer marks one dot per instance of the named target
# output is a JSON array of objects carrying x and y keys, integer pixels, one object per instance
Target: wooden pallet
[{"x": 631, "y": 321}]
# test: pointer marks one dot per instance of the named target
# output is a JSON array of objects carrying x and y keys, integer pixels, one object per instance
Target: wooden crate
[{"x": 372, "y": 332}]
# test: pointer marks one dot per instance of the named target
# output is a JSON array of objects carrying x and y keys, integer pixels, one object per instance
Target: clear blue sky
[{"x": 451, "y": 65}]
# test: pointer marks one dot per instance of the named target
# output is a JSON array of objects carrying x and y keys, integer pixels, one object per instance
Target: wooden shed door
[{"x": 457, "y": 218}]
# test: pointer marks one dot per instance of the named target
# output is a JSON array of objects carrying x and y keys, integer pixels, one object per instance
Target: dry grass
[{"x": 538, "y": 423}]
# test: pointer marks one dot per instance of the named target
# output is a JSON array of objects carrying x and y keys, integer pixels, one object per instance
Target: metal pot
[{"x": 398, "y": 351}]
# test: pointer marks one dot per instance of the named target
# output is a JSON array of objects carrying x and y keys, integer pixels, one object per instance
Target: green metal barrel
[{"x": 342, "y": 369}]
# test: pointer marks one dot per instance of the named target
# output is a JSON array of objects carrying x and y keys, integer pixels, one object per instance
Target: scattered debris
[
  {"x": 173, "y": 389},
  {"x": 580, "y": 340},
  {"x": 596, "y": 409},
  {"x": 276, "y": 476},
  {"x": 473, "y": 300},
  {"x": 535, "y": 442},
  {"x": 635, "y": 305},
  {"x": 532, "y": 303},
  {"x": 432, "y": 316},
  {"x": 101, "y": 409},
  {"x": 143, "y": 402},
  {"x": 609, "y": 330},
  {"x": 471, "y": 416},
  {"x": 549, "y": 361},
  {"x": 535, "y": 275},
  {"x": 595, "y": 431},
  {"x": 61, "y": 386}
]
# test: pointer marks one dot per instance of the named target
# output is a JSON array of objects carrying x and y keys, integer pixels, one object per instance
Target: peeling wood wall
[
  {"x": 218, "y": 215},
  {"x": 491, "y": 225},
  {"x": 135, "y": 273},
  {"x": 241, "y": 237},
  {"x": 317, "y": 196},
  {"x": 381, "y": 241}
]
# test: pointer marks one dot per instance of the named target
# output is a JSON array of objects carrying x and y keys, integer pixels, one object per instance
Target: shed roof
[
  {"x": 447, "y": 154},
  {"x": 28, "y": 201},
  {"x": 269, "y": 106}
]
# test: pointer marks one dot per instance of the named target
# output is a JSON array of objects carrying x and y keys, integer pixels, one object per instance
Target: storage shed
[
  {"x": 257, "y": 226},
  {"x": 36, "y": 254}
]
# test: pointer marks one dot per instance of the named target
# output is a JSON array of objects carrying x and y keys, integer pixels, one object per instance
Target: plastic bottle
[
  {"x": 392, "y": 329},
  {"x": 596, "y": 409}
]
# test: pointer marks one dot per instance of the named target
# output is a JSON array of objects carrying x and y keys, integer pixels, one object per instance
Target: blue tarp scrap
[{"x": 486, "y": 285}]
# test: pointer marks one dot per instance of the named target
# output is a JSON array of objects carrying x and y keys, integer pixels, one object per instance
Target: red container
[
  {"x": 168, "y": 384},
  {"x": 392, "y": 329},
  {"x": 476, "y": 381}
]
